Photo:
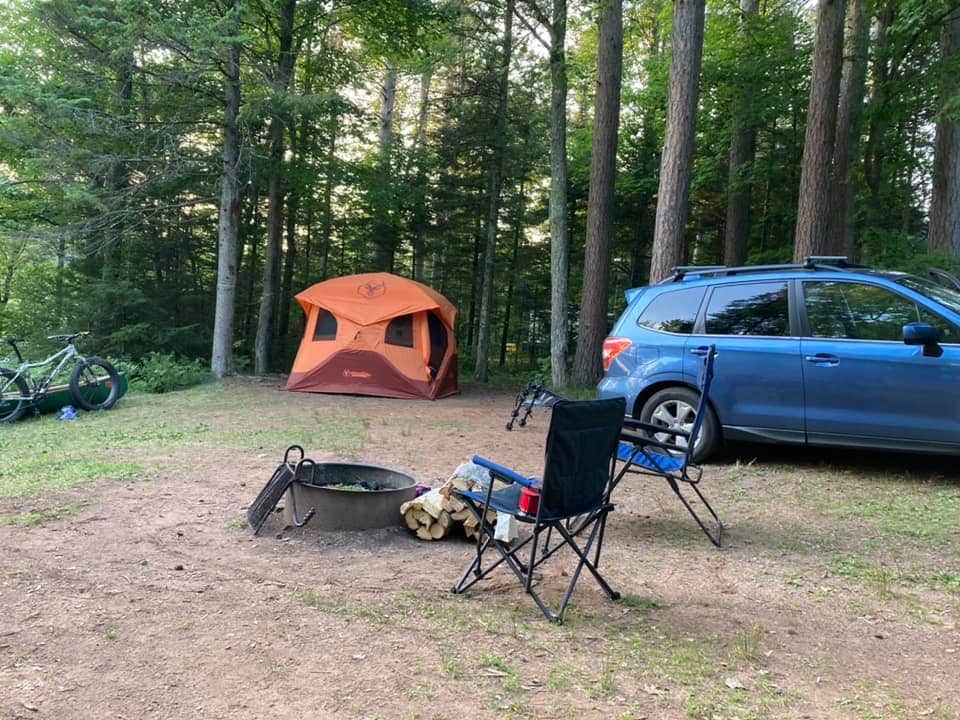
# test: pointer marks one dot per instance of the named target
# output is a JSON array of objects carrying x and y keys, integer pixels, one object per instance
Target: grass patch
[
  {"x": 746, "y": 645},
  {"x": 510, "y": 679},
  {"x": 877, "y": 577},
  {"x": 919, "y": 514},
  {"x": 343, "y": 436},
  {"x": 640, "y": 603},
  {"x": 337, "y": 607},
  {"x": 31, "y": 477},
  {"x": 40, "y": 517}
]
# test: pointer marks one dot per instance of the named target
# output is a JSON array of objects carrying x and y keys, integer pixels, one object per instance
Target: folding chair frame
[
  {"x": 569, "y": 528},
  {"x": 643, "y": 438}
]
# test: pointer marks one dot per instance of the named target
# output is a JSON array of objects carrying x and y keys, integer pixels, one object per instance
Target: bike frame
[{"x": 68, "y": 353}]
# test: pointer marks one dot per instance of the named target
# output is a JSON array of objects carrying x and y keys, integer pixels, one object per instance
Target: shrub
[{"x": 164, "y": 372}]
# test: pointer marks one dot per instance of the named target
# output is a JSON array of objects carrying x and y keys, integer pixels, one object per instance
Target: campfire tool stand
[{"x": 283, "y": 478}]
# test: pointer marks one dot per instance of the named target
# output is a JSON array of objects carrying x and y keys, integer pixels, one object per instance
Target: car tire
[{"x": 676, "y": 407}]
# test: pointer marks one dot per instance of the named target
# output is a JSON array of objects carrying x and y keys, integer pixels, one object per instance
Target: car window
[
  {"x": 673, "y": 312},
  {"x": 748, "y": 309},
  {"x": 948, "y": 331},
  {"x": 944, "y": 296},
  {"x": 856, "y": 311}
]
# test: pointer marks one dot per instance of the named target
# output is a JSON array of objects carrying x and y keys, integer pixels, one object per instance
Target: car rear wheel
[{"x": 676, "y": 408}]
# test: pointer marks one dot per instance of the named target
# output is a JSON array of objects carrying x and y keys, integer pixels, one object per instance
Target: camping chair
[
  {"x": 574, "y": 500},
  {"x": 644, "y": 450}
]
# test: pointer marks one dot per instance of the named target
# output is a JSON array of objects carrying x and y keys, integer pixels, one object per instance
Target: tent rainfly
[{"x": 376, "y": 334}]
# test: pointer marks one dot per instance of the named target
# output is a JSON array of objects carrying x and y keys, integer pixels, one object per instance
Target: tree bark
[
  {"x": 384, "y": 243},
  {"x": 677, "y": 161},
  {"x": 842, "y": 232},
  {"x": 559, "y": 234},
  {"x": 493, "y": 211},
  {"x": 873, "y": 156},
  {"x": 818, "y": 142},
  {"x": 271, "y": 259},
  {"x": 743, "y": 140},
  {"x": 512, "y": 277},
  {"x": 221, "y": 359},
  {"x": 603, "y": 174},
  {"x": 419, "y": 219},
  {"x": 945, "y": 203}
]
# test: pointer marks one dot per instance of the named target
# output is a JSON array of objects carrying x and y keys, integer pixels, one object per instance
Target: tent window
[
  {"x": 326, "y": 326},
  {"x": 400, "y": 331},
  {"x": 438, "y": 343}
]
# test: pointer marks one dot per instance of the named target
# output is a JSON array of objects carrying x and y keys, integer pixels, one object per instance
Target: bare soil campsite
[{"x": 130, "y": 586}]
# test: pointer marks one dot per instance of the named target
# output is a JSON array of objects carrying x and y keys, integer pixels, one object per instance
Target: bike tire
[
  {"x": 88, "y": 380},
  {"x": 12, "y": 404}
]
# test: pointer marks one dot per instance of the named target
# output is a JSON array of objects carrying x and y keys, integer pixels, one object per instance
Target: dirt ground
[{"x": 836, "y": 594}]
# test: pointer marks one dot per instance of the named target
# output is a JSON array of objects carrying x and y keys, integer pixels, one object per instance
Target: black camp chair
[
  {"x": 574, "y": 499},
  {"x": 645, "y": 449}
]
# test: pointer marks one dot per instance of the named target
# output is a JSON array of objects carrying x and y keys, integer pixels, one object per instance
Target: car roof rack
[{"x": 813, "y": 262}]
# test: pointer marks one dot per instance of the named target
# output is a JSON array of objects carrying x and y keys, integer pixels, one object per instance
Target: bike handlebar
[{"x": 67, "y": 338}]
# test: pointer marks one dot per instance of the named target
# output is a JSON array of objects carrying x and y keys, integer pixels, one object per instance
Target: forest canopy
[{"x": 156, "y": 154}]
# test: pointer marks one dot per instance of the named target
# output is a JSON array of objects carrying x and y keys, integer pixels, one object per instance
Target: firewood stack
[{"x": 438, "y": 512}]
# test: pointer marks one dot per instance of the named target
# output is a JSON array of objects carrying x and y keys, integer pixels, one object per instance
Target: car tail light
[{"x": 612, "y": 347}]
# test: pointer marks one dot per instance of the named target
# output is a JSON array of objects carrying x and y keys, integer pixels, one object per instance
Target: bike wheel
[
  {"x": 14, "y": 395},
  {"x": 95, "y": 384}
]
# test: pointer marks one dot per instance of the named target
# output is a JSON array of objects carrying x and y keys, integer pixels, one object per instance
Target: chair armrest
[
  {"x": 504, "y": 473},
  {"x": 647, "y": 427},
  {"x": 645, "y": 442}
]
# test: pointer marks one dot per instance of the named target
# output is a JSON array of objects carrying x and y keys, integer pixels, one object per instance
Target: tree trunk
[
  {"x": 328, "y": 183},
  {"x": 559, "y": 240},
  {"x": 818, "y": 142},
  {"x": 873, "y": 155},
  {"x": 289, "y": 263},
  {"x": 384, "y": 243},
  {"x": 252, "y": 230},
  {"x": 743, "y": 140},
  {"x": 271, "y": 259},
  {"x": 512, "y": 277},
  {"x": 493, "y": 211},
  {"x": 419, "y": 219},
  {"x": 945, "y": 202},
  {"x": 603, "y": 174},
  {"x": 677, "y": 161},
  {"x": 221, "y": 359},
  {"x": 841, "y": 237}
]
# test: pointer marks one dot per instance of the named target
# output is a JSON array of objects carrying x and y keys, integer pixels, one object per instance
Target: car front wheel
[{"x": 675, "y": 408}]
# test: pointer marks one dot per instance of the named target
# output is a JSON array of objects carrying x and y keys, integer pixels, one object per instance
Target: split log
[
  {"x": 436, "y": 513},
  {"x": 411, "y": 520}
]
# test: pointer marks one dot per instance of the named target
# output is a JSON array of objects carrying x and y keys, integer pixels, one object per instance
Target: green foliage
[
  {"x": 110, "y": 158},
  {"x": 165, "y": 372}
]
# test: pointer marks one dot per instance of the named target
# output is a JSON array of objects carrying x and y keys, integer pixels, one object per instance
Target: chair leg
[
  {"x": 585, "y": 562},
  {"x": 716, "y": 535}
]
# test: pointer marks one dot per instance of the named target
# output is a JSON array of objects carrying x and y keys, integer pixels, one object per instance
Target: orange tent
[{"x": 376, "y": 334}]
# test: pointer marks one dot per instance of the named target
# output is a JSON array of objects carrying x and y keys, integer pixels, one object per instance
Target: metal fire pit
[{"x": 374, "y": 504}]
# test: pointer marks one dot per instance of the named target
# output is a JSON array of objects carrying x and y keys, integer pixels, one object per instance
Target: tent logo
[
  {"x": 357, "y": 374},
  {"x": 372, "y": 290}
]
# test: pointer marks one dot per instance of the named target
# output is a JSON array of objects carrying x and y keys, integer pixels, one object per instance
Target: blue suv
[{"x": 823, "y": 353}]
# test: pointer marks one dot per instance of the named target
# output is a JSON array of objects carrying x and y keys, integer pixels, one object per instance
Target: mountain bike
[{"x": 94, "y": 382}]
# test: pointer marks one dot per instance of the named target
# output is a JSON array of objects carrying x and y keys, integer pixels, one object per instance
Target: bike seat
[{"x": 11, "y": 341}]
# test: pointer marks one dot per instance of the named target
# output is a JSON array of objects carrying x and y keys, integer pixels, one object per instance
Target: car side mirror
[{"x": 923, "y": 334}]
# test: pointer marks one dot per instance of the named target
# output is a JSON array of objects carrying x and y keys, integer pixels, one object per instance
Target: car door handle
[
  {"x": 823, "y": 359},
  {"x": 701, "y": 351}
]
